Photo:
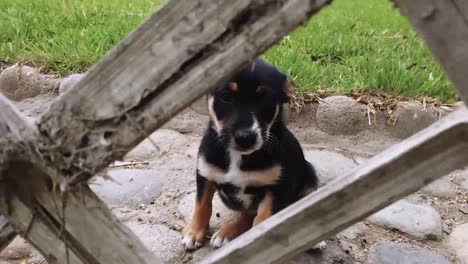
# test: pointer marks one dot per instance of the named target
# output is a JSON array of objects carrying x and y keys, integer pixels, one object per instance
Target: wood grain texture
[
  {"x": 7, "y": 233},
  {"x": 88, "y": 229},
  {"x": 444, "y": 27},
  {"x": 389, "y": 176},
  {"x": 178, "y": 54}
]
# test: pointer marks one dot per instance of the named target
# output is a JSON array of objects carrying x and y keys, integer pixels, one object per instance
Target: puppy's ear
[{"x": 287, "y": 89}]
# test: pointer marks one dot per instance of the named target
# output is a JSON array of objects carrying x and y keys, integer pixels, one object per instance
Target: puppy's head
[{"x": 244, "y": 109}]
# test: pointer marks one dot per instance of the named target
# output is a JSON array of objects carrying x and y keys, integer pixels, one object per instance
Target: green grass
[{"x": 352, "y": 46}]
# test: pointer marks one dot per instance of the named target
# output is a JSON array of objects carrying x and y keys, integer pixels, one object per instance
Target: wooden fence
[{"x": 177, "y": 55}]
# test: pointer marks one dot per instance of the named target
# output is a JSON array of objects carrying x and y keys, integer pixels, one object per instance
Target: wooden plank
[
  {"x": 444, "y": 27},
  {"x": 7, "y": 233},
  {"x": 389, "y": 176},
  {"x": 36, "y": 230},
  {"x": 178, "y": 54},
  {"x": 89, "y": 230}
]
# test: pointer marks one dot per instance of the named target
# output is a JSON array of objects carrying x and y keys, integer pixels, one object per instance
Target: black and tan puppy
[{"x": 248, "y": 155}]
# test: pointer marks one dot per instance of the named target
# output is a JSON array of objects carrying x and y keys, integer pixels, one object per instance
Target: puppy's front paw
[
  {"x": 219, "y": 239},
  {"x": 194, "y": 238}
]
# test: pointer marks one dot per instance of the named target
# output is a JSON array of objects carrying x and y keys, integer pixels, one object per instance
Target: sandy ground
[{"x": 154, "y": 195}]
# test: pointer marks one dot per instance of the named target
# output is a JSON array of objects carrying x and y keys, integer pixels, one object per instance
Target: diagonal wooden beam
[
  {"x": 135, "y": 89},
  {"x": 178, "y": 54},
  {"x": 71, "y": 232},
  {"x": 444, "y": 27},
  {"x": 389, "y": 176}
]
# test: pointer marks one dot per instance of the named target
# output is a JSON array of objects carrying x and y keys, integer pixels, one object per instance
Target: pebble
[
  {"x": 341, "y": 115},
  {"x": 69, "y": 82},
  {"x": 442, "y": 188},
  {"x": 329, "y": 165},
  {"x": 418, "y": 220},
  {"x": 458, "y": 241},
  {"x": 401, "y": 253},
  {"x": 146, "y": 185}
]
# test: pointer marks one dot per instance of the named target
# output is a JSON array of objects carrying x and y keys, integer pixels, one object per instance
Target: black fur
[{"x": 235, "y": 110}]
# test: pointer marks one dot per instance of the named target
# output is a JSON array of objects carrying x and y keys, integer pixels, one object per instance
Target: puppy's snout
[{"x": 245, "y": 139}]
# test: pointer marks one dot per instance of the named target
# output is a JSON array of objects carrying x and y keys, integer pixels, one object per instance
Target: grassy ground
[{"x": 352, "y": 46}]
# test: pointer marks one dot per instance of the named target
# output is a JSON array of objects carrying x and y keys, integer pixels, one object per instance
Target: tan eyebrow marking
[
  {"x": 260, "y": 89},
  {"x": 233, "y": 86}
]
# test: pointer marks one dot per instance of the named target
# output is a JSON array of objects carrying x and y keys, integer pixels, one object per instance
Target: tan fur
[
  {"x": 237, "y": 227},
  {"x": 202, "y": 214},
  {"x": 264, "y": 210},
  {"x": 217, "y": 123},
  {"x": 269, "y": 125}
]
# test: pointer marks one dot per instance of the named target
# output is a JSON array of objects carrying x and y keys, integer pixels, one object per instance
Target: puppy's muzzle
[{"x": 245, "y": 140}]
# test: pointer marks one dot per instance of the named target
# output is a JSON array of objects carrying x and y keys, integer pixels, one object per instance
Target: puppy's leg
[
  {"x": 265, "y": 209},
  {"x": 195, "y": 232},
  {"x": 232, "y": 230}
]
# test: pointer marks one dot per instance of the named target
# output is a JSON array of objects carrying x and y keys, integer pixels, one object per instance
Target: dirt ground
[{"x": 153, "y": 191}]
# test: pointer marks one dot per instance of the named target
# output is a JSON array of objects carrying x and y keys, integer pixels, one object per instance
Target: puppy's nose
[{"x": 245, "y": 139}]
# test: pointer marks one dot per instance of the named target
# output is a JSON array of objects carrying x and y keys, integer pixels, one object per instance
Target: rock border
[{"x": 334, "y": 115}]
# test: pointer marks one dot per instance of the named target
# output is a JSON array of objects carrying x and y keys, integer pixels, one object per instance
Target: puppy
[{"x": 248, "y": 155}]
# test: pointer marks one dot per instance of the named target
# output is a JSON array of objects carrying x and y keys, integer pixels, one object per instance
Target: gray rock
[
  {"x": 458, "y": 104},
  {"x": 166, "y": 140},
  {"x": 21, "y": 82},
  {"x": 460, "y": 176},
  {"x": 392, "y": 253},
  {"x": 442, "y": 188},
  {"x": 162, "y": 241},
  {"x": 329, "y": 165},
  {"x": 458, "y": 241},
  {"x": 332, "y": 254},
  {"x": 128, "y": 186},
  {"x": 70, "y": 82},
  {"x": 188, "y": 122},
  {"x": 411, "y": 118},
  {"x": 341, "y": 115},
  {"x": 464, "y": 185},
  {"x": 18, "y": 249},
  {"x": 353, "y": 232},
  {"x": 418, "y": 220}
]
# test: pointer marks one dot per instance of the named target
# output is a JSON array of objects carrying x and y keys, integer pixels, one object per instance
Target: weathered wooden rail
[{"x": 174, "y": 57}]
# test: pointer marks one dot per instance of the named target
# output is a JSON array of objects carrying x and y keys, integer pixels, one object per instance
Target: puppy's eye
[
  {"x": 226, "y": 98},
  {"x": 260, "y": 90}
]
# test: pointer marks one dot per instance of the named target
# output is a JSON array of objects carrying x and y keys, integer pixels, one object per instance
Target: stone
[
  {"x": 464, "y": 185},
  {"x": 353, "y": 231},
  {"x": 18, "y": 249},
  {"x": 410, "y": 118},
  {"x": 392, "y": 253},
  {"x": 341, "y": 115},
  {"x": 128, "y": 186},
  {"x": 332, "y": 254},
  {"x": 458, "y": 241},
  {"x": 21, "y": 82},
  {"x": 460, "y": 176},
  {"x": 162, "y": 241},
  {"x": 188, "y": 122},
  {"x": 329, "y": 165},
  {"x": 420, "y": 221},
  {"x": 166, "y": 140},
  {"x": 69, "y": 82},
  {"x": 442, "y": 188}
]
